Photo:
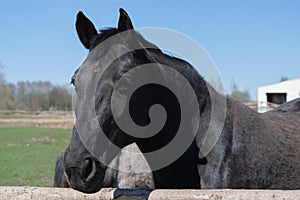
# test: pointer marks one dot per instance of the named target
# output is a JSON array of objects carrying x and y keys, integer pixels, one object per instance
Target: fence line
[{"x": 43, "y": 193}]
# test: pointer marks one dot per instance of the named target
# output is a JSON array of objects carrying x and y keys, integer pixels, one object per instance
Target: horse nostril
[
  {"x": 67, "y": 175},
  {"x": 87, "y": 168}
]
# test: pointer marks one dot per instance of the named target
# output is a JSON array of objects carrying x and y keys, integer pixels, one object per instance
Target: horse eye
[
  {"x": 73, "y": 82},
  {"x": 74, "y": 77}
]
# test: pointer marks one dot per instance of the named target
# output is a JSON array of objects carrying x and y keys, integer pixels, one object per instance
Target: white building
[{"x": 270, "y": 96}]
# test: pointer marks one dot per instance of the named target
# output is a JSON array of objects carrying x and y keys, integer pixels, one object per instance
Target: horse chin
[{"x": 88, "y": 187}]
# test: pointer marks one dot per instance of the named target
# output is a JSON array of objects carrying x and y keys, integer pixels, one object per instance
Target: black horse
[{"x": 253, "y": 151}]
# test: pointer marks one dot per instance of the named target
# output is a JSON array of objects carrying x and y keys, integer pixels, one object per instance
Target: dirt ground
[{"x": 65, "y": 121}]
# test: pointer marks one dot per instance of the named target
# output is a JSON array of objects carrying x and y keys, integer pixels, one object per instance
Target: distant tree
[
  {"x": 21, "y": 96},
  {"x": 60, "y": 99},
  {"x": 7, "y": 92},
  {"x": 34, "y": 96},
  {"x": 241, "y": 96},
  {"x": 2, "y": 79},
  {"x": 284, "y": 78},
  {"x": 7, "y": 96}
]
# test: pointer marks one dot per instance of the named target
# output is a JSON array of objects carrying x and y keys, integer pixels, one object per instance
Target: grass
[{"x": 28, "y": 154}]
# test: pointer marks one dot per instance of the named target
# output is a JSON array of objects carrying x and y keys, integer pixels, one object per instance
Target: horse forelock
[{"x": 103, "y": 35}]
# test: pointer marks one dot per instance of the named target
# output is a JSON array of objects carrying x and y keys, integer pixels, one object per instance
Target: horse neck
[{"x": 182, "y": 173}]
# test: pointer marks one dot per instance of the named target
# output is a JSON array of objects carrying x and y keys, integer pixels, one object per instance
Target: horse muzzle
[{"x": 86, "y": 176}]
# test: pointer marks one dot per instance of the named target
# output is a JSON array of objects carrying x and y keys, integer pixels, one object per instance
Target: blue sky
[{"x": 253, "y": 43}]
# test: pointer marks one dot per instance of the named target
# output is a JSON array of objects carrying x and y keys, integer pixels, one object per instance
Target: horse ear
[
  {"x": 85, "y": 29},
  {"x": 124, "y": 21}
]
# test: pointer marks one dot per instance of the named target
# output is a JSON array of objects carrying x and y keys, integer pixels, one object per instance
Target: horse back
[{"x": 256, "y": 150}]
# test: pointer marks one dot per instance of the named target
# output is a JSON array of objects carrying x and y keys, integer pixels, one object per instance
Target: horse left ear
[
  {"x": 85, "y": 29},
  {"x": 125, "y": 23}
]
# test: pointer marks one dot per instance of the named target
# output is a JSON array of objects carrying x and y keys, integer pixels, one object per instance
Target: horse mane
[
  {"x": 103, "y": 35},
  {"x": 108, "y": 32}
]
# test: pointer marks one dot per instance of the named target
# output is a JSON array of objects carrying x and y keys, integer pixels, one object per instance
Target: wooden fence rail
[{"x": 41, "y": 193}]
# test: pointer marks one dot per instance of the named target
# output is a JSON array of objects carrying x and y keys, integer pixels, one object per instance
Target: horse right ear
[
  {"x": 125, "y": 23},
  {"x": 85, "y": 29}
]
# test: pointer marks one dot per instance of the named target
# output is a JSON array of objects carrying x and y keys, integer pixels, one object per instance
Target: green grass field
[{"x": 28, "y": 154}]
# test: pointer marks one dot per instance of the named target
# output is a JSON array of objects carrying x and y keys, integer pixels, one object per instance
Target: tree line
[
  {"x": 239, "y": 95},
  {"x": 46, "y": 96},
  {"x": 34, "y": 96}
]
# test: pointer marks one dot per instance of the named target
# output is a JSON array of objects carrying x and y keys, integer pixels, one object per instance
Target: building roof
[{"x": 283, "y": 83}]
